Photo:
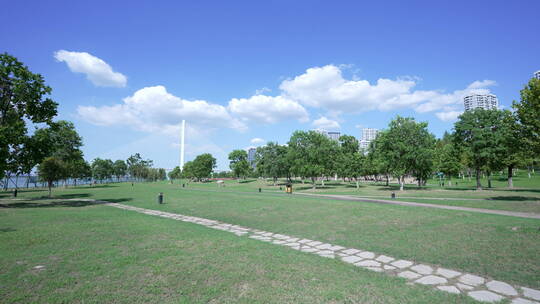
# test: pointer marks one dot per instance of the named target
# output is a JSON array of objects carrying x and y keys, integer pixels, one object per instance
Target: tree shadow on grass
[
  {"x": 61, "y": 203},
  {"x": 7, "y": 229},
  {"x": 247, "y": 181},
  {"x": 514, "y": 198}
]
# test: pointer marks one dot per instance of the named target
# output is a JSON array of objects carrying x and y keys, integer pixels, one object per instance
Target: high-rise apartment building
[
  {"x": 334, "y": 135},
  {"x": 480, "y": 101},
  {"x": 368, "y": 135},
  {"x": 251, "y": 157},
  {"x": 537, "y": 74}
]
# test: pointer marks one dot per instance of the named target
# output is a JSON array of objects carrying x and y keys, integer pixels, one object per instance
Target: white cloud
[
  {"x": 257, "y": 140},
  {"x": 326, "y": 124},
  {"x": 153, "y": 109},
  {"x": 262, "y": 91},
  {"x": 448, "y": 115},
  {"x": 96, "y": 70},
  {"x": 267, "y": 109},
  {"x": 324, "y": 87}
]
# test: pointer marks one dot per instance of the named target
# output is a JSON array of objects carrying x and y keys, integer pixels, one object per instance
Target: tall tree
[
  {"x": 350, "y": 160},
  {"x": 119, "y": 169},
  {"x": 79, "y": 169},
  {"x": 447, "y": 158},
  {"x": 102, "y": 169},
  {"x": 203, "y": 165},
  {"x": 478, "y": 132},
  {"x": 408, "y": 146},
  {"x": 272, "y": 161},
  {"x": 175, "y": 173},
  {"x": 239, "y": 163},
  {"x": 311, "y": 154},
  {"x": 50, "y": 170},
  {"x": 22, "y": 102},
  {"x": 528, "y": 114}
]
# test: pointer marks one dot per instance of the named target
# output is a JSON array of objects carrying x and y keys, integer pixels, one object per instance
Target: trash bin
[
  {"x": 260, "y": 189},
  {"x": 288, "y": 188},
  {"x": 160, "y": 198},
  {"x": 393, "y": 195}
]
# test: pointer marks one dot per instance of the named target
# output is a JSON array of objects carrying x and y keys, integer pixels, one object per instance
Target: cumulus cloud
[
  {"x": 326, "y": 88},
  {"x": 267, "y": 109},
  {"x": 325, "y": 123},
  {"x": 153, "y": 109},
  {"x": 96, "y": 70},
  {"x": 448, "y": 115},
  {"x": 257, "y": 140}
]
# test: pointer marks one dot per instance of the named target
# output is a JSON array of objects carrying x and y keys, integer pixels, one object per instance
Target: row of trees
[
  {"x": 483, "y": 141},
  {"x": 198, "y": 169}
]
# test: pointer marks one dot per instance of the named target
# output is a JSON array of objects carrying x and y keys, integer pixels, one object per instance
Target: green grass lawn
[
  {"x": 524, "y": 198},
  {"x": 501, "y": 247},
  {"x": 100, "y": 254}
]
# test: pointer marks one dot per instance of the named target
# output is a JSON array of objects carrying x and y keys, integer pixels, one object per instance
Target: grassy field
[
  {"x": 99, "y": 254},
  {"x": 501, "y": 247},
  {"x": 525, "y": 197}
]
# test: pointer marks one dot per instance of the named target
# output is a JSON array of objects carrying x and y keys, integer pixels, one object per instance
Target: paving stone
[
  {"x": 432, "y": 280},
  {"x": 501, "y": 288},
  {"x": 422, "y": 269},
  {"x": 409, "y": 275},
  {"x": 279, "y": 242},
  {"x": 485, "y": 296},
  {"x": 309, "y": 249},
  {"x": 523, "y": 301},
  {"x": 470, "y": 279},
  {"x": 402, "y": 264},
  {"x": 531, "y": 293},
  {"x": 325, "y": 252},
  {"x": 368, "y": 263},
  {"x": 343, "y": 255},
  {"x": 384, "y": 259},
  {"x": 324, "y": 246},
  {"x": 292, "y": 239},
  {"x": 296, "y": 247},
  {"x": 293, "y": 244},
  {"x": 447, "y": 273},
  {"x": 303, "y": 241},
  {"x": 336, "y": 248},
  {"x": 281, "y": 236},
  {"x": 366, "y": 254},
  {"x": 450, "y": 289},
  {"x": 464, "y": 286},
  {"x": 351, "y": 259},
  {"x": 351, "y": 251},
  {"x": 388, "y": 267},
  {"x": 314, "y": 243}
]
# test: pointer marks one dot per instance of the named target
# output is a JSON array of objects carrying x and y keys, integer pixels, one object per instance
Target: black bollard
[
  {"x": 183, "y": 185},
  {"x": 260, "y": 190},
  {"x": 15, "y": 193},
  {"x": 393, "y": 195},
  {"x": 160, "y": 198}
]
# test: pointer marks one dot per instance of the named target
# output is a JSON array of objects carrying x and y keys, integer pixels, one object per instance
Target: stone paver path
[
  {"x": 414, "y": 204},
  {"x": 447, "y": 280}
]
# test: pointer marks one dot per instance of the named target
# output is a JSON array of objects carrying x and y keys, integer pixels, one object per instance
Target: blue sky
[{"x": 126, "y": 73}]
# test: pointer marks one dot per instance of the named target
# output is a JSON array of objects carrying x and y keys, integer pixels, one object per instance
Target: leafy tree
[
  {"x": 408, "y": 147},
  {"x": 188, "y": 171},
  {"x": 175, "y": 173},
  {"x": 272, "y": 161},
  {"x": 102, "y": 169},
  {"x": 447, "y": 158},
  {"x": 119, "y": 169},
  {"x": 22, "y": 101},
  {"x": 138, "y": 167},
  {"x": 203, "y": 165},
  {"x": 239, "y": 163},
  {"x": 350, "y": 159},
  {"x": 479, "y": 133},
  {"x": 376, "y": 163},
  {"x": 50, "y": 170},
  {"x": 78, "y": 169},
  {"x": 515, "y": 151},
  {"x": 528, "y": 114},
  {"x": 311, "y": 154}
]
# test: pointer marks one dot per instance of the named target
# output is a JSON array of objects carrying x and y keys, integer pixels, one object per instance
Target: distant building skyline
[
  {"x": 480, "y": 101},
  {"x": 334, "y": 135},
  {"x": 368, "y": 135},
  {"x": 251, "y": 157}
]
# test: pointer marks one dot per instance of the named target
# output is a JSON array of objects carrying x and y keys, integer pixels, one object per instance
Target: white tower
[{"x": 182, "y": 135}]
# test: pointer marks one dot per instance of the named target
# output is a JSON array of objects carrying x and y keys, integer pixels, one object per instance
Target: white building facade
[
  {"x": 368, "y": 135},
  {"x": 481, "y": 101}
]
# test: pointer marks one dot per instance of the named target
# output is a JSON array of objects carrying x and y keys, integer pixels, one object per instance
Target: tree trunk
[
  {"x": 478, "y": 184},
  {"x": 322, "y": 181},
  {"x": 357, "y": 184},
  {"x": 314, "y": 184},
  {"x": 50, "y": 185},
  {"x": 510, "y": 175},
  {"x": 275, "y": 179},
  {"x": 387, "y": 180},
  {"x": 489, "y": 179},
  {"x": 401, "y": 182}
]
